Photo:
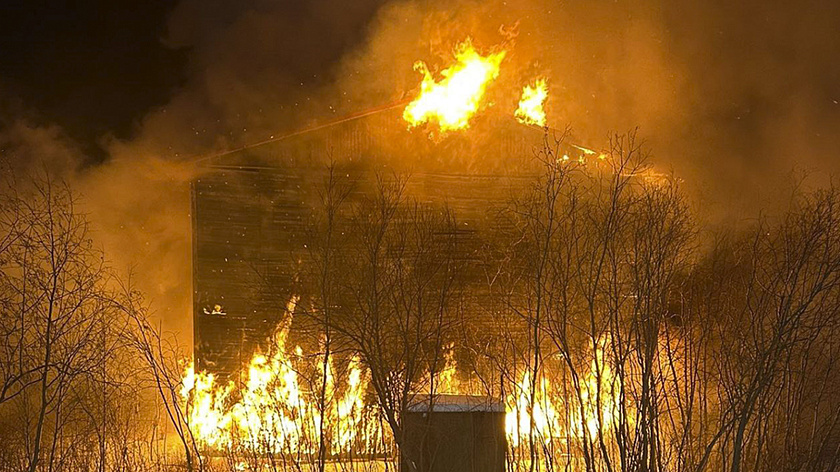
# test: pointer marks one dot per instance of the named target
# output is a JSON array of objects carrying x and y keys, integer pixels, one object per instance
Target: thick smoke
[
  {"x": 138, "y": 207},
  {"x": 731, "y": 97}
]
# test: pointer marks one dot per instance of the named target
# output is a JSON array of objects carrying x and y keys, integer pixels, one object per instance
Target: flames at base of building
[{"x": 278, "y": 409}]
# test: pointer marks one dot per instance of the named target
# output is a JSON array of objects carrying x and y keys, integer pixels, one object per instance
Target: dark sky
[
  {"x": 92, "y": 67},
  {"x": 97, "y": 67}
]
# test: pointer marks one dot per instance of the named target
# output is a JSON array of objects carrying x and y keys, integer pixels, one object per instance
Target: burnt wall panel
[{"x": 246, "y": 226}]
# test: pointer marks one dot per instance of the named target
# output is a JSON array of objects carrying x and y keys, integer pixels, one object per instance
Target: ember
[{"x": 251, "y": 237}]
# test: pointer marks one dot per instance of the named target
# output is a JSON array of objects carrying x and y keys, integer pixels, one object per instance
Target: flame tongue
[
  {"x": 274, "y": 411},
  {"x": 530, "y": 109},
  {"x": 456, "y": 98}
]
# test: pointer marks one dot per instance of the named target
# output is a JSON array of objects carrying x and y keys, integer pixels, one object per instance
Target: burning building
[
  {"x": 253, "y": 214},
  {"x": 251, "y": 208}
]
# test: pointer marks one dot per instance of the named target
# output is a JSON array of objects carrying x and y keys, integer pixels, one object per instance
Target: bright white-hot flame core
[
  {"x": 531, "y": 111},
  {"x": 543, "y": 411},
  {"x": 278, "y": 410},
  {"x": 452, "y": 101}
]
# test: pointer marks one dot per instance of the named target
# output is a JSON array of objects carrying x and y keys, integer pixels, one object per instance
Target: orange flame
[
  {"x": 275, "y": 412},
  {"x": 456, "y": 98},
  {"x": 530, "y": 111},
  {"x": 278, "y": 410},
  {"x": 549, "y": 415}
]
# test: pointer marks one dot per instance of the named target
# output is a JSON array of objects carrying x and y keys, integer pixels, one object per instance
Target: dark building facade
[{"x": 251, "y": 210}]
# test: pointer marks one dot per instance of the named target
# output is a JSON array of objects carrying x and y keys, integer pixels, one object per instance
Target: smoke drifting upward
[
  {"x": 731, "y": 97},
  {"x": 138, "y": 207}
]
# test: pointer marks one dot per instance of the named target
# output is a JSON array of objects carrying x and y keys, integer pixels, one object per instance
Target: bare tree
[
  {"x": 392, "y": 300},
  {"x": 160, "y": 358},
  {"x": 324, "y": 252},
  {"x": 590, "y": 256},
  {"x": 60, "y": 324},
  {"x": 777, "y": 301}
]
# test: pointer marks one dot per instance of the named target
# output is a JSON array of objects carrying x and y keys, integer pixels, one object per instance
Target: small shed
[{"x": 454, "y": 433}]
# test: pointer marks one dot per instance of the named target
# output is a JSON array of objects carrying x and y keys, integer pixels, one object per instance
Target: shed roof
[{"x": 446, "y": 403}]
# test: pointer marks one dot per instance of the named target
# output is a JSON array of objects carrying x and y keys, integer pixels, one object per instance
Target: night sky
[
  {"x": 95, "y": 68},
  {"x": 92, "y": 67}
]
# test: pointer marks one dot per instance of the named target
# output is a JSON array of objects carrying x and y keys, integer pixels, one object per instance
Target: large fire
[
  {"x": 452, "y": 101},
  {"x": 276, "y": 411},
  {"x": 540, "y": 409},
  {"x": 530, "y": 111}
]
